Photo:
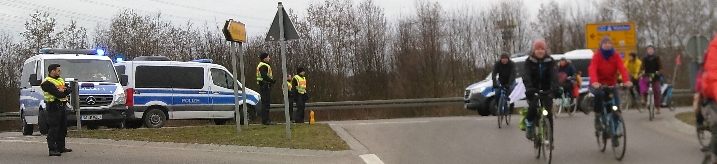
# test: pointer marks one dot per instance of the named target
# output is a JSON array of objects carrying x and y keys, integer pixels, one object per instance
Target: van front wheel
[{"x": 155, "y": 118}]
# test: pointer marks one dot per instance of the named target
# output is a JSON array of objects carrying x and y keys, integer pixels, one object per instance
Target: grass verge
[
  {"x": 687, "y": 117},
  {"x": 303, "y": 136}
]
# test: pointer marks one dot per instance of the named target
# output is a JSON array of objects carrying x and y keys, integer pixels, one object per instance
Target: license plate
[{"x": 91, "y": 117}]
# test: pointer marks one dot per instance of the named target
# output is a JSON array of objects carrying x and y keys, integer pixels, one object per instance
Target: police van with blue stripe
[
  {"x": 159, "y": 89},
  {"x": 102, "y": 99},
  {"x": 479, "y": 96}
]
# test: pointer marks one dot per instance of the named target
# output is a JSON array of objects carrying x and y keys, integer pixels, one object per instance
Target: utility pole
[{"x": 506, "y": 27}]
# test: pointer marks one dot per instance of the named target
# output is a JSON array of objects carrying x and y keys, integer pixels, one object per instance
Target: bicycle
[
  {"x": 542, "y": 133},
  {"x": 502, "y": 107},
  {"x": 564, "y": 101},
  {"x": 631, "y": 100},
  {"x": 613, "y": 125},
  {"x": 650, "y": 104}
]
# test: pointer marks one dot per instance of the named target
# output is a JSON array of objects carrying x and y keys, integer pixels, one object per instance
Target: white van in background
[{"x": 479, "y": 96}]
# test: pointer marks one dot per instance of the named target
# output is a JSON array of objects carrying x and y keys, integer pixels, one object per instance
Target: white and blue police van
[
  {"x": 102, "y": 98},
  {"x": 480, "y": 96},
  {"x": 159, "y": 89}
]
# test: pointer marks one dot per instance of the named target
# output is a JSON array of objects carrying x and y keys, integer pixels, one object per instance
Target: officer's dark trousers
[
  {"x": 57, "y": 126},
  {"x": 265, "y": 104},
  {"x": 300, "y": 106}
]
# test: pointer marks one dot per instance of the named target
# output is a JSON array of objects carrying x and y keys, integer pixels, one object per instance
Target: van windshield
[
  {"x": 518, "y": 70},
  {"x": 86, "y": 70}
]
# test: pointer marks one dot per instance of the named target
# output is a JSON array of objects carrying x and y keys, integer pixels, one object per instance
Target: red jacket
[
  {"x": 605, "y": 71},
  {"x": 709, "y": 71}
]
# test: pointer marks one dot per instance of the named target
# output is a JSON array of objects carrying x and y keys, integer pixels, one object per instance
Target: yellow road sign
[
  {"x": 621, "y": 33},
  {"x": 234, "y": 31}
]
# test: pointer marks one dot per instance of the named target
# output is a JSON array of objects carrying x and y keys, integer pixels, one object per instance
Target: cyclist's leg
[
  {"x": 616, "y": 93},
  {"x": 643, "y": 89},
  {"x": 657, "y": 95},
  {"x": 548, "y": 103},
  {"x": 597, "y": 106},
  {"x": 696, "y": 105},
  {"x": 636, "y": 85},
  {"x": 530, "y": 117}
]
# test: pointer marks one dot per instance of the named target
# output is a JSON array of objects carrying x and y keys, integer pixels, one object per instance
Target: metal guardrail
[
  {"x": 377, "y": 104},
  {"x": 396, "y": 103},
  {"x": 9, "y": 116}
]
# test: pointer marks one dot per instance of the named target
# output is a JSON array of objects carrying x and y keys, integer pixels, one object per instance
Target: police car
[
  {"x": 102, "y": 99},
  {"x": 159, "y": 89},
  {"x": 479, "y": 96}
]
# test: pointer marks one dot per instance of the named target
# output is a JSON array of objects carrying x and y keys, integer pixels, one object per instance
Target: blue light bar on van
[
  {"x": 203, "y": 61},
  {"x": 69, "y": 51}
]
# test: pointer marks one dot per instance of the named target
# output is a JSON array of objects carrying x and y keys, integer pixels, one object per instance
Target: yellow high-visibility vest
[
  {"x": 301, "y": 84},
  {"x": 259, "y": 79},
  {"x": 59, "y": 83}
]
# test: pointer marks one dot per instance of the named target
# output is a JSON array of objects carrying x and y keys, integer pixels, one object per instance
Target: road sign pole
[
  {"x": 243, "y": 89},
  {"x": 236, "y": 86},
  {"x": 282, "y": 43}
]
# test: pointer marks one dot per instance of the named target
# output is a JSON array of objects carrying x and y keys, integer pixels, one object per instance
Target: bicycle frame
[
  {"x": 542, "y": 141},
  {"x": 613, "y": 123}
]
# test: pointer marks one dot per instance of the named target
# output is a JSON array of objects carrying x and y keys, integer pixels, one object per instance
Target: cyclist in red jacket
[{"x": 603, "y": 67}]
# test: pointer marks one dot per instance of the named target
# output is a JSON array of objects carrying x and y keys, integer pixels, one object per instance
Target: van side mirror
[
  {"x": 33, "y": 80},
  {"x": 123, "y": 80}
]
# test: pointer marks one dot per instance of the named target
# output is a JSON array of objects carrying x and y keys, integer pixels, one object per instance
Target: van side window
[
  {"x": 581, "y": 65},
  {"x": 119, "y": 69},
  {"x": 27, "y": 69},
  {"x": 519, "y": 66},
  {"x": 169, "y": 77},
  {"x": 222, "y": 79}
]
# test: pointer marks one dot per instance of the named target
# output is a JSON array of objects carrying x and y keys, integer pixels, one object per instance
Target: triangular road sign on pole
[{"x": 289, "y": 30}]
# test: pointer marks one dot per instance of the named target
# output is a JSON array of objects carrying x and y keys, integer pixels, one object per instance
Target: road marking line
[{"x": 371, "y": 159}]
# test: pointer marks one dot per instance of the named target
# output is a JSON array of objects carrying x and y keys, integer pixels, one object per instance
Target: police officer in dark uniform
[
  {"x": 265, "y": 80},
  {"x": 55, "y": 92}
]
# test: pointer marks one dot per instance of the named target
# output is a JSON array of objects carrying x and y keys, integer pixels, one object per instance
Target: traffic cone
[{"x": 311, "y": 120}]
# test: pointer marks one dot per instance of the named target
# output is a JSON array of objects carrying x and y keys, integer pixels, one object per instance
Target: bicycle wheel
[
  {"x": 536, "y": 141},
  {"x": 637, "y": 104},
  {"x": 703, "y": 136},
  {"x": 671, "y": 106},
  {"x": 560, "y": 104},
  {"x": 650, "y": 105},
  {"x": 625, "y": 95},
  {"x": 500, "y": 113},
  {"x": 507, "y": 114},
  {"x": 620, "y": 134},
  {"x": 600, "y": 136},
  {"x": 547, "y": 141}
]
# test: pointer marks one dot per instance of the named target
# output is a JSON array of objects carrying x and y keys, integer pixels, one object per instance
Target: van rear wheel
[
  {"x": 155, "y": 118},
  {"x": 26, "y": 128}
]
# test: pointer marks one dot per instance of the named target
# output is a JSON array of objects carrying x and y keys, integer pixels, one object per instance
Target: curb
[
  {"x": 349, "y": 139},
  {"x": 677, "y": 124},
  {"x": 187, "y": 146}
]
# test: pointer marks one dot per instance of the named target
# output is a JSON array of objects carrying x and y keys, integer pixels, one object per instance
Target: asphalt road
[
  {"x": 455, "y": 140},
  {"x": 474, "y": 139}
]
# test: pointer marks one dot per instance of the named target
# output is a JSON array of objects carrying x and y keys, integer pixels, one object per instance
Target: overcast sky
[{"x": 256, "y": 14}]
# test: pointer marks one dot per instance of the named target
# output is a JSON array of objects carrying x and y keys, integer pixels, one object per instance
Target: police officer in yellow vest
[
  {"x": 265, "y": 80},
  {"x": 55, "y": 91},
  {"x": 300, "y": 96}
]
